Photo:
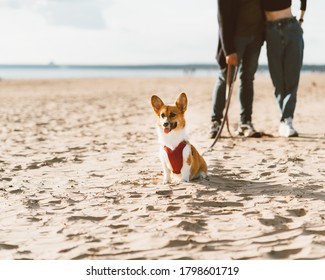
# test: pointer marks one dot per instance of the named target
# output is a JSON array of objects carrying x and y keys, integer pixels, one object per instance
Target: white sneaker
[{"x": 286, "y": 129}]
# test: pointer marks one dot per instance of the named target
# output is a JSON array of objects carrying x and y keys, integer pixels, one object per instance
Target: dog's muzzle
[{"x": 169, "y": 126}]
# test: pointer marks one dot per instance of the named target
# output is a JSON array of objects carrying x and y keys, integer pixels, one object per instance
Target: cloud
[
  {"x": 16, "y": 4},
  {"x": 74, "y": 13},
  {"x": 83, "y": 14}
]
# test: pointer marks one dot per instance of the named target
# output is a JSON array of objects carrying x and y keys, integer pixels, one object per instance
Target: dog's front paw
[
  {"x": 185, "y": 179},
  {"x": 166, "y": 180}
]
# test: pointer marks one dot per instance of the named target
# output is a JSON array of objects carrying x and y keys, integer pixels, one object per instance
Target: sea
[{"x": 53, "y": 71}]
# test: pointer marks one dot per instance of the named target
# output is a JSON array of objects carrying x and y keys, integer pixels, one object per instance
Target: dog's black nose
[{"x": 166, "y": 124}]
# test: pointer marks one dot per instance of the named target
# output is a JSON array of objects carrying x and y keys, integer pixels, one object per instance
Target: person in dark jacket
[{"x": 241, "y": 36}]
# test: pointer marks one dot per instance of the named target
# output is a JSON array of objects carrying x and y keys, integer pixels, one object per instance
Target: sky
[{"x": 126, "y": 31}]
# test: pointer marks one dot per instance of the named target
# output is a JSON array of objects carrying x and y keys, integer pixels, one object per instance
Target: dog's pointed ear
[
  {"x": 181, "y": 102},
  {"x": 156, "y": 103}
]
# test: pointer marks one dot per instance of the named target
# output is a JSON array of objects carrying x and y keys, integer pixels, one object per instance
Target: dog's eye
[
  {"x": 172, "y": 115},
  {"x": 163, "y": 115}
]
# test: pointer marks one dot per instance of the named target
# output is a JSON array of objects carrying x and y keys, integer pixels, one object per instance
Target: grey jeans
[
  {"x": 285, "y": 46},
  {"x": 248, "y": 50}
]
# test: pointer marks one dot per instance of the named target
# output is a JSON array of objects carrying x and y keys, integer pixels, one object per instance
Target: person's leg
[
  {"x": 219, "y": 96},
  {"x": 249, "y": 65},
  {"x": 241, "y": 42},
  {"x": 292, "y": 65},
  {"x": 275, "y": 53},
  {"x": 218, "y": 102},
  {"x": 248, "y": 49},
  {"x": 284, "y": 53}
]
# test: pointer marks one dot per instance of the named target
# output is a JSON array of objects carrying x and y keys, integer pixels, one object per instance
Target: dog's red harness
[{"x": 176, "y": 157}]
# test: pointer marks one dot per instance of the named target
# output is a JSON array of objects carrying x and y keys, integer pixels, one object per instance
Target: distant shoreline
[
  {"x": 56, "y": 71},
  {"x": 191, "y": 66}
]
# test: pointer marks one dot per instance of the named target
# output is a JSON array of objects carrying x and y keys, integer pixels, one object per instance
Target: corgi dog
[{"x": 176, "y": 153}]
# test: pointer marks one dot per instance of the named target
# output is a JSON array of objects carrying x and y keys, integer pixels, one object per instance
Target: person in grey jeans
[
  {"x": 285, "y": 46},
  {"x": 241, "y": 36}
]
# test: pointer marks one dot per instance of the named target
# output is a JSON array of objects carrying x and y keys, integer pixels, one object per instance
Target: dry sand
[{"x": 80, "y": 176}]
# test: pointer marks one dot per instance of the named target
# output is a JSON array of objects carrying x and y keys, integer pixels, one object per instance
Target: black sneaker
[
  {"x": 215, "y": 126},
  {"x": 247, "y": 130}
]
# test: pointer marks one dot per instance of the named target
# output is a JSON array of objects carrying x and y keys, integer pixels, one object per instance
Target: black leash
[{"x": 231, "y": 78}]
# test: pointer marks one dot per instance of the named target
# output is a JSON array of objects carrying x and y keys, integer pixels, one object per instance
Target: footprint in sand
[
  {"x": 6, "y": 179},
  {"x": 49, "y": 162},
  {"x": 32, "y": 204},
  {"x": 164, "y": 192},
  {"x": 172, "y": 208},
  {"x": 218, "y": 204},
  {"x": 193, "y": 226},
  {"x": 297, "y": 212},
  {"x": 284, "y": 254},
  {"x": 17, "y": 168},
  {"x": 277, "y": 221},
  {"x": 4, "y": 246},
  {"x": 16, "y": 191},
  {"x": 87, "y": 218},
  {"x": 130, "y": 157},
  {"x": 135, "y": 195}
]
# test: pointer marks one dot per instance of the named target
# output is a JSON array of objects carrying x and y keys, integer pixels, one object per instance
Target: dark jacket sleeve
[
  {"x": 226, "y": 20},
  {"x": 227, "y": 15},
  {"x": 303, "y": 5}
]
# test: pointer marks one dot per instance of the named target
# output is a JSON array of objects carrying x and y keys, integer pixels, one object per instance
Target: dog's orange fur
[{"x": 197, "y": 163}]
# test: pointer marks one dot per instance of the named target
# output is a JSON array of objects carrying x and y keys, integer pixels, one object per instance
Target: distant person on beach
[
  {"x": 285, "y": 46},
  {"x": 241, "y": 36}
]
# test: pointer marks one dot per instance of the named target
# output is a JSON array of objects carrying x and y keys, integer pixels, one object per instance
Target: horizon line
[{"x": 189, "y": 66}]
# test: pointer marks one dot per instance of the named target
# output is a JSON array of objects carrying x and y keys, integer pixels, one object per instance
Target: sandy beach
[{"x": 80, "y": 176}]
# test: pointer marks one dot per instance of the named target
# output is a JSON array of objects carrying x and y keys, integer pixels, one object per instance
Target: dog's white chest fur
[{"x": 172, "y": 140}]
